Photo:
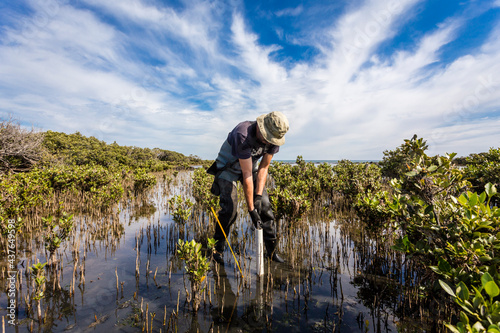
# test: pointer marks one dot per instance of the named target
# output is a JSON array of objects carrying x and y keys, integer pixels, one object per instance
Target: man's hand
[
  {"x": 257, "y": 203},
  {"x": 257, "y": 222}
]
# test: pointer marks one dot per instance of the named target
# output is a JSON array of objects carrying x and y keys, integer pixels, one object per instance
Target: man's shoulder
[
  {"x": 242, "y": 130},
  {"x": 244, "y": 126}
]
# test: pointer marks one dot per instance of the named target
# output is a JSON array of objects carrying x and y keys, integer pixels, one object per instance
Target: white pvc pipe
[
  {"x": 260, "y": 298},
  {"x": 260, "y": 252}
]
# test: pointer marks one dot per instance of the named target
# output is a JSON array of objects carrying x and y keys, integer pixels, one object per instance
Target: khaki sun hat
[{"x": 273, "y": 127}]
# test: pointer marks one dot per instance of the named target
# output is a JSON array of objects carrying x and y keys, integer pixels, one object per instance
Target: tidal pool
[{"x": 121, "y": 273}]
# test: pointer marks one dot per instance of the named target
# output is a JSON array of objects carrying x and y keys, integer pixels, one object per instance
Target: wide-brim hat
[{"x": 273, "y": 127}]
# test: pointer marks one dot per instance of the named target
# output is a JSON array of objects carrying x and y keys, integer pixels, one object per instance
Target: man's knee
[{"x": 269, "y": 230}]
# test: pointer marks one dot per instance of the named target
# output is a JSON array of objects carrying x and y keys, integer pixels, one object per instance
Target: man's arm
[
  {"x": 246, "y": 169},
  {"x": 262, "y": 173},
  {"x": 248, "y": 188}
]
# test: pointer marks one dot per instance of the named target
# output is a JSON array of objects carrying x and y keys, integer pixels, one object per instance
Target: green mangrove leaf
[
  {"x": 464, "y": 318},
  {"x": 447, "y": 288},
  {"x": 452, "y": 328},
  {"x": 485, "y": 258},
  {"x": 477, "y": 301},
  {"x": 482, "y": 197},
  {"x": 473, "y": 200},
  {"x": 463, "y": 199},
  {"x": 495, "y": 308},
  {"x": 462, "y": 291},
  {"x": 491, "y": 190},
  {"x": 486, "y": 278},
  {"x": 485, "y": 223},
  {"x": 412, "y": 173},
  {"x": 492, "y": 289},
  {"x": 432, "y": 168},
  {"x": 444, "y": 266},
  {"x": 478, "y": 294},
  {"x": 478, "y": 327},
  {"x": 493, "y": 329},
  {"x": 435, "y": 269}
]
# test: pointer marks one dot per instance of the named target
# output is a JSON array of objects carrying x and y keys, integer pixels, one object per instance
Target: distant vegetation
[
  {"x": 61, "y": 172},
  {"x": 76, "y": 149}
]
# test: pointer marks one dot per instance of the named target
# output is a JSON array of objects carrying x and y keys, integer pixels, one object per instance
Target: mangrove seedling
[
  {"x": 38, "y": 273},
  {"x": 181, "y": 208},
  {"x": 57, "y": 232},
  {"x": 211, "y": 246},
  {"x": 202, "y": 183},
  {"x": 197, "y": 266}
]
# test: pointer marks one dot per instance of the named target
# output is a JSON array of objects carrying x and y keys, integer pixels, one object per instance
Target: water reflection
[{"x": 121, "y": 272}]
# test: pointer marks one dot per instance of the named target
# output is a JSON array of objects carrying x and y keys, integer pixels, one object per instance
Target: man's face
[{"x": 260, "y": 137}]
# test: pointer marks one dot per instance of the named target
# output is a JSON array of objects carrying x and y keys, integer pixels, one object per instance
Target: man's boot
[
  {"x": 219, "y": 252},
  {"x": 271, "y": 253}
]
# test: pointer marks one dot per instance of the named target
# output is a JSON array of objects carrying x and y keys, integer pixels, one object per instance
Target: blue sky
[{"x": 355, "y": 78}]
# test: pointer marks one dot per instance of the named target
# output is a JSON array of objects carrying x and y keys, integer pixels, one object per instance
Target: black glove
[
  {"x": 257, "y": 202},
  {"x": 257, "y": 222}
]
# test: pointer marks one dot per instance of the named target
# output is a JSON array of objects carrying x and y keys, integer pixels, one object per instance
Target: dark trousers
[{"x": 229, "y": 212}]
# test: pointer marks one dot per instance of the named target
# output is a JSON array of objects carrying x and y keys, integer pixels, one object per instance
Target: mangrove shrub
[{"x": 452, "y": 231}]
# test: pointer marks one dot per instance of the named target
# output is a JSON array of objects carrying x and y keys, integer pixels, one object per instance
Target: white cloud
[
  {"x": 290, "y": 11},
  {"x": 195, "y": 25},
  {"x": 369, "y": 109},
  {"x": 75, "y": 71},
  {"x": 360, "y": 30},
  {"x": 255, "y": 58}
]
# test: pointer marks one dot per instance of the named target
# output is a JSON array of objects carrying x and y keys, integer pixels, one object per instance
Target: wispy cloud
[
  {"x": 290, "y": 11},
  {"x": 147, "y": 74}
]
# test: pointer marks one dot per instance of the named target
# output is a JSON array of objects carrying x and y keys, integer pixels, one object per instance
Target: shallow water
[{"x": 330, "y": 281}]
